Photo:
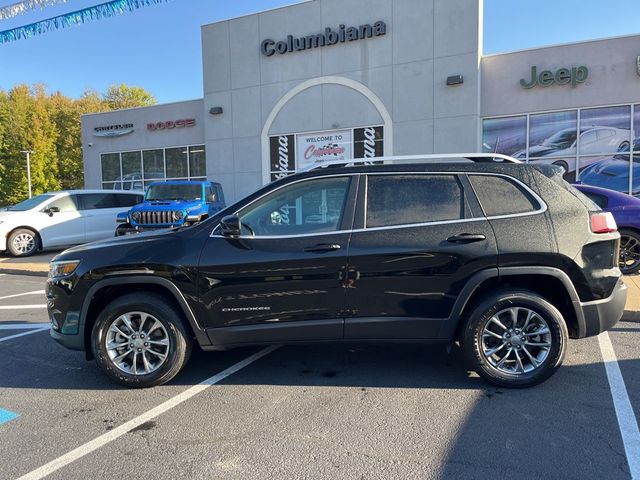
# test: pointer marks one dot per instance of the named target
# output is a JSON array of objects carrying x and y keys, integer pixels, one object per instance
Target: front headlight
[
  {"x": 178, "y": 215},
  {"x": 63, "y": 268},
  {"x": 135, "y": 216}
]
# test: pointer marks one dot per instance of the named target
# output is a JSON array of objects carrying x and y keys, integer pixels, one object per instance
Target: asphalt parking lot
[{"x": 321, "y": 411}]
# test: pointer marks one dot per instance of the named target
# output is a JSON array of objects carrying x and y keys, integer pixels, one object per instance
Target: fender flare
[
  {"x": 198, "y": 331},
  {"x": 448, "y": 330}
]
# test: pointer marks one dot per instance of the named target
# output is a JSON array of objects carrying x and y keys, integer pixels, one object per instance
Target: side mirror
[
  {"x": 51, "y": 210},
  {"x": 231, "y": 226}
]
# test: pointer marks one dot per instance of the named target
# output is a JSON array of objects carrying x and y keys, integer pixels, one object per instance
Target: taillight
[{"x": 603, "y": 222}]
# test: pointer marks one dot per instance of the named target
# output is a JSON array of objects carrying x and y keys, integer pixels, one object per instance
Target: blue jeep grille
[{"x": 157, "y": 218}]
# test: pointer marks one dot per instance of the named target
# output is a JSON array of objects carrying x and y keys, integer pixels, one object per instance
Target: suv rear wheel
[
  {"x": 139, "y": 340},
  {"x": 515, "y": 338}
]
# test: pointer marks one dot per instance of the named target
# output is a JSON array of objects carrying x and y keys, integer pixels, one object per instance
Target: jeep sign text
[{"x": 562, "y": 76}]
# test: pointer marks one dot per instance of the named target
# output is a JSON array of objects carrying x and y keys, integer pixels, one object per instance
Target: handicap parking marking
[
  {"x": 19, "y": 307},
  {"x": 23, "y": 326},
  {"x": 23, "y": 334},
  {"x": 627, "y": 421},
  {"x": 7, "y": 416},
  {"x": 36, "y": 292}
]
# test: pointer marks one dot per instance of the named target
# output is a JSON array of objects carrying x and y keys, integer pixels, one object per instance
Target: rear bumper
[{"x": 601, "y": 315}]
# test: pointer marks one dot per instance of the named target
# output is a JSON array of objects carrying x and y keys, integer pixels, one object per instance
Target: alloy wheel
[
  {"x": 24, "y": 243},
  {"x": 137, "y": 343},
  {"x": 629, "y": 253},
  {"x": 516, "y": 341}
]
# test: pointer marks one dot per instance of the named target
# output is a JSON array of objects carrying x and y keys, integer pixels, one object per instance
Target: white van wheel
[{"x": 23, "y": 242}]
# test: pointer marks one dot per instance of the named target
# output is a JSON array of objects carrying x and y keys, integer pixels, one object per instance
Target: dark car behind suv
[{"x": 505, "y": 258}]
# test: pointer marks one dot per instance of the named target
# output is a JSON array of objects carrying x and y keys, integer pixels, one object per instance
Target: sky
[{"x": 159, "y": 48}]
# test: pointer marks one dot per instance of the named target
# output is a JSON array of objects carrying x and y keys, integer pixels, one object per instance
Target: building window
[
  {"x": 594, "y": 145},
  {"x": 135, "y": 170}
]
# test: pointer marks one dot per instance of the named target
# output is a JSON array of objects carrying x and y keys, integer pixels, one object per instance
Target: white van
[{"x": 60, "y": 219}]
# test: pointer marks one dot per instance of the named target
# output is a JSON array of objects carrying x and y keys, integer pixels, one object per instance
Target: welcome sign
[
  {"x": 320, "y": 147},
  {"x": 295, "y": 152}
]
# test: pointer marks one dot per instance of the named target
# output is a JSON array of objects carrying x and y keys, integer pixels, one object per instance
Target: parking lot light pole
[{"x": 28, "y": 154}]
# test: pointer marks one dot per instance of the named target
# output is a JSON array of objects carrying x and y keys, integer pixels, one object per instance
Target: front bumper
[
  {"x": 600, "y": 315},
  {"x": 64, "y": 316}
]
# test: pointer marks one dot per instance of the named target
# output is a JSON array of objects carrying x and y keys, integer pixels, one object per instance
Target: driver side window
[{"x": 312, "y": 206}]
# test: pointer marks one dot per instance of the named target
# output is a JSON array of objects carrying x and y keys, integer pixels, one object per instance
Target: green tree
[
  {"x": 123, "y": 96},
  {"x": 50, "y": 126}
]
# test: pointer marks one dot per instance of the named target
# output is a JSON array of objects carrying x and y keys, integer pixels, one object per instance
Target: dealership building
[{"x": 326, "y": 80}]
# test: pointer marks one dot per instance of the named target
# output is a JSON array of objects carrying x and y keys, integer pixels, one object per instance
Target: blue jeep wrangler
[{"x": 172, "y": 204}]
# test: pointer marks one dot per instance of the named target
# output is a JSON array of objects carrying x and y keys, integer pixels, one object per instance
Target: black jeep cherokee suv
[{"x": 507, "y": 259}]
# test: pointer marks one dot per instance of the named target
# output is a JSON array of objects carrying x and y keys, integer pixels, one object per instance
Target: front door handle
[
  {"x": 323, "y": 248},
  {"x": 467, "y": 238}
]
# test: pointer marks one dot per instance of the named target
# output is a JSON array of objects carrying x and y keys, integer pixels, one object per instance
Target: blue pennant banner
[
  {"x": 24, "y": 6},
  {"x": 79, "y": 17}
]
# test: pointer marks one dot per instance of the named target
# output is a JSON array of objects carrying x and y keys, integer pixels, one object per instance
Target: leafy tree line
[{"x": 49, "y": 125}]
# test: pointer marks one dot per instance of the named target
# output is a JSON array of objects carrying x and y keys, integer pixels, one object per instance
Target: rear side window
[
  {"x": 410, "y": 199},
  {"x": 123, "y": 200},
  {"x": 97, "y": 201},
  {"x": 502, "y": 196}
]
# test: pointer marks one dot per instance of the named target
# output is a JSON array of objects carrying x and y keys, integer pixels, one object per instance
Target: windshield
[
  {"x": 562, "y": 139},
  {"x": 174, "y": 192},
  {"x": 30, "y": 203}
]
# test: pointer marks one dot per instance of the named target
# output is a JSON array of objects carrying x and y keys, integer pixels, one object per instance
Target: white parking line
[
  {"x": 117, "y": 432},
  {"x": 624, "y": 411},
  {"x": 30, "y": 332},
  {"x": 37, "y": 292},
  {"x": 23, "y": 326},
  {"x": 18, "y": 307}
]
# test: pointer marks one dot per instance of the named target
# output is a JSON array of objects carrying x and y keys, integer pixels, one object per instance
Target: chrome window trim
[{"x": 543, "y": 207}]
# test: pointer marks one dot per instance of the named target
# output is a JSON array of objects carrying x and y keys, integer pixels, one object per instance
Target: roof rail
[{"x": 474, "y": 157}]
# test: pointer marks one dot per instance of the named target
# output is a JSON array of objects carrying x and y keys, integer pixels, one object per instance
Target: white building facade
[{"x": 339, "y": 79}]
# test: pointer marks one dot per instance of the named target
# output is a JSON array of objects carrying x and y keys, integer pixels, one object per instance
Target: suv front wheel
[
  {"x": 139, "y": 340},
  {"x": 515, "y": 338}
]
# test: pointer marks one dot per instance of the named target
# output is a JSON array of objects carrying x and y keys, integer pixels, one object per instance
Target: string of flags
[
  {"x": 78, "y": 17},
  {"x": 25, "y": 6}
]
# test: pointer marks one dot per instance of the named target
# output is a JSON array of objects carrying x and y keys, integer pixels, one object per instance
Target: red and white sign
[
  {"x": 171, "y": 124},
  {"x": 320, "y": 147}
]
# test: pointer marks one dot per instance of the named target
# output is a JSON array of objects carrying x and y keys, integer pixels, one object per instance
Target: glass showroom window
[
  {"x": 605, "y": 142},
  {"x": 135, "y": 170},
  {"x": 197, "y": 163},
  {"x": 506, "y": 135},
  {"x": 593, "y": 145},
  {"x": 111, "y": 172}
]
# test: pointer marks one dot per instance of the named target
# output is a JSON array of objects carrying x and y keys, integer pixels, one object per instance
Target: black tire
[
  {"x": 121, "y": 230},
  {"x": 629, "y": 251},
  {"x": 179, "y": 348},
  {"x": 19, "y": 233},
  {"x": 494, "y": 304},
  {"x": 563, "y": 164}
]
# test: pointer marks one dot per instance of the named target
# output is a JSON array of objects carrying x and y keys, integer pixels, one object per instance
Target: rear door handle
[
  {"x": 467, "y": 238},
  {"x": 323, "y": 248}
]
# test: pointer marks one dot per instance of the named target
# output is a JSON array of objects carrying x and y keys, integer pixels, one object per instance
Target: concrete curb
[
  {"x": 31, "y": 273},
  {"x": 631, "y": 316}
]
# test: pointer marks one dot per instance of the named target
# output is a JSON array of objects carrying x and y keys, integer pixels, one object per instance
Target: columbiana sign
[{"x": 344, "y": 34}]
